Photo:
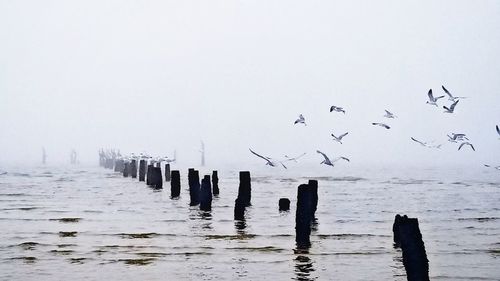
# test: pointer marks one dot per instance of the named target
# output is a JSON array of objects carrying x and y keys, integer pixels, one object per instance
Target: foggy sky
[{"x": 159, "y": 76}]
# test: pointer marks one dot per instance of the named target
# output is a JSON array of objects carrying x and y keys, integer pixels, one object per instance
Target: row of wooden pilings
[{"x": 406, "y": 230}]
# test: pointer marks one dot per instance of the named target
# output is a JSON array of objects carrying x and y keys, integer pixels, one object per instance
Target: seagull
[
  {"x": 268, "y": 160},
  {"x": 381, "y": 125},
  {"x": 498, "y": 130},
  {"x": 339, "y": 138},
  {"x": 432, "y": 100},
  {"x": 389, "y": 114},
  {"x": 496, "y": 167},
  {"x": 466, "y": 143},
  {"x": 327, "y": 161},
  {"x": 450, "y": 96},
  {"x": 288, "y": 158},
  {"x": 337, "y": 108},
  {"x": 456, "y": 137},
  {"x": 301, "y": 120},
  {"x": 420, "y": 142},
  {"x": 452, "y": 107}
]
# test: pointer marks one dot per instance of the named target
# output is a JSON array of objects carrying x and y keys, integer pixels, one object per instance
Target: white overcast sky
[{"x": 156, "y": 76}]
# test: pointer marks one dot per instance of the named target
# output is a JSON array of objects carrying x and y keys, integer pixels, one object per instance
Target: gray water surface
[{"x": 87, "y": 223}]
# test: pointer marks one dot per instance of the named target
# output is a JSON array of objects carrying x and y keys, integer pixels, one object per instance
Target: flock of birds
[
  {"x": 459, "y": 138},
  {"x": 115, "y": 154}
]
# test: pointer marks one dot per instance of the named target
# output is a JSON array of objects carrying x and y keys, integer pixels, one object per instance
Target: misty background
[{"x": 159, "y": 76}]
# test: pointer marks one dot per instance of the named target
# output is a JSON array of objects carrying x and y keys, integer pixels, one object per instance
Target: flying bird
[
  {"x": 466, "y": 143},
  {"x": 337, "y": 108},
  {"x": 288, "y": 158},
  {"x": 498, "y": 130},
  {"x": 432, "y": 100},
  {"x": 450, "y": 96},
  {"x": 269, "y": 160},
  {"x": 452, "y": 107},
  {"x": 327, "y": 161},
  {"x": 496, "y": 167},
  {"x": 301, "y": 120},
  {"x": 381, "y": 125},
  {"x": 389, "y": 114},
  {"x": 339, "y": 138},
  {"x": 420, "y": 142},
  {"x": 457, "y": 137}
]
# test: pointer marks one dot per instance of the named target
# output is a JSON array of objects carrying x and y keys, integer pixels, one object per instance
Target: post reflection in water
[
  {"x": 303, "y": 265},
  {"x": 240, "y": 226}
]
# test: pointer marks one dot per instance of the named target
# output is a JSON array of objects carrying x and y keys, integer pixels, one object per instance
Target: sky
[{"x": 159, "y": 76}]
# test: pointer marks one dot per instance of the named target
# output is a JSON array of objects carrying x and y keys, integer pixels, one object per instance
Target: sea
[{"x": 75, "y": 222}]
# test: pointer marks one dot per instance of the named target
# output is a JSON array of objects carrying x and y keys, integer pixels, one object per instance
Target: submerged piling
[
  {"x": 142, "y": 170},
  {"x": 206, "y": 194},
  {"x": 215, "y": 183},
  {"x": 245, "y": 188},
  {"x": 303, "y": 216},
  {"x": 175, "y": 184},
  {"x": 284, "y": 204},
  {"x": 194, "y": 187},
  {"x": 407, "y": 235},
  {"x": 167, "y": 172}
]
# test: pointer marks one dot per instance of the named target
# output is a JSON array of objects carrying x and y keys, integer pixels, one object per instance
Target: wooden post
[
  {"x": 194, "y": 187},
  {"x": 175, "y": 184},
  {"x": 133, "y": 168},
  {"x": 125, "y": 169},
  {"x": 239, "y": 209},
  {"x": 156, "y": 178},
  {"x": 215, "y": 183},
  {"x": 407, "y": 235},
  {"x": 313, "y": 186},
  {"x": 284, "y": 204},
  {"x": 206, "y": 194},
  {"x": 303, "y": 216},
  {"x": 149, "y": 173},
  {"x": 167, "y": 172},
  {"x": 245, "y": 188},
  {"x": 142, "y": 170}
]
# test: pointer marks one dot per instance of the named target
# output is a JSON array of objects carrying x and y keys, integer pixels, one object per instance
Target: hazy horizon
[{"x": 162, "y": 76}]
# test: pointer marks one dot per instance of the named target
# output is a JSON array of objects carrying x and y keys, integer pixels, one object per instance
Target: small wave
[
  {"x": 337, "y": 179},
  {"x": 67, "y": 220},
  {"x": 144, "y": 261},
  {"x": 20, "y": 175},
  {"x": 231, "y": 237},
  {"x": 259, "y": 249},
  {"x": 68, "y": 233},
  {"x": 77, "y": 260},
  {"x": 348, "y": 236},
  {"x": 481, "y": 219},
  {"x": 147, "y": 235},
  {"x": 62, "y": 252},
  {"x": 25, "y": 259},
  {"x": 28, "y": 245}
]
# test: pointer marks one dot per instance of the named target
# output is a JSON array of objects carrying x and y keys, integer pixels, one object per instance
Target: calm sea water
[{"x": 87, "y": 223}]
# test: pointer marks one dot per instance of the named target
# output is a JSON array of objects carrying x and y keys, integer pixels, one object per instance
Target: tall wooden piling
[
  {"x": 407, "y": 235},
  {"x": 303, "y": 216},
  {"x": 167, "y": 172},
  {"x": 149, "y": 172},
  {"x": 245, "y": 188},
  {"x": 175, "y": 184},
  {"x": 194, "y": 187},
  {"x": 142, "y": 170},
  {"x": 133, "y": 168},
  {"x": 284, "y": 204},
  {"x": 156, "y": 178},
  {"x": 215, "y": 183},
  {"x": 206, "y": 194},
  {"x": 126, "y": 169}
]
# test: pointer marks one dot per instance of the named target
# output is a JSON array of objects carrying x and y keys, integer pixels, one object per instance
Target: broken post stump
[
  {"x": 194, "y": 187},
  {"x": 407, "y": 235},
  {"x": 239, "y": 209},
  {"x": 167, "y": 172},
  {"x": 245, "y": 189},
  {"x": 284, "y": 204},
  {"x": 175, "y": 184},
  {"x": 156, "y": 178},
  {"x": 303, "y": 216},
  {"x": 142, "y": 170},
  {"x": 206, "y": 194},
  {"x": 215, "y": 183}
]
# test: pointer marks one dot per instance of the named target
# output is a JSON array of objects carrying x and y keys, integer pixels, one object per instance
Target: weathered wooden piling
[
  {"x": 245, "y": 188},
  {"x": 313, "y": 186},
  {"x": 284, "y": 204},
  {"x": 133, "y": 168},
  {"x": 167, "y": 172},
  {"x": 303, "y": 216},
  {"x": 156, "y": 178},
  {"x": 194, "y": 187},
  {"x": 142, "y": 170},
  {"x": 118, "y": 166},
  {"x": 125, "y": 169},
  {"x": 206, "y": 194},
  {"x": 239, "y": 209},
  {"x": 175, "y": 184},
  {"x": 407, "y": 235},
  {"x": 215, "y": 183},
  {"x": 149, "y": 171}
]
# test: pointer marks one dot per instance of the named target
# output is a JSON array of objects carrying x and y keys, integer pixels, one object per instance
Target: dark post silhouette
[
  {"x": 167, "y": 172},
  {"x": 156, "y": 178},
  {"x": 239, "y": 209},
  {"x": 215, "y": 183},
  {"x": 194, "y": 187},
  {"x": 303, "y": 216},
  {"x": 245, "y": 189},
  {"x": 142, "y": 170},
  {"x": 206, "y": 194},
  {"x": 407, "y": 235},
  {"x": 133, "y": 168},
  {"x": 175, "y": 184},
  {"x": 125, "y": 169},
  {"x": 149, "y": 173},
  {"x": 284, "y": 204},
  {"x": 313, "y": 186}
]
